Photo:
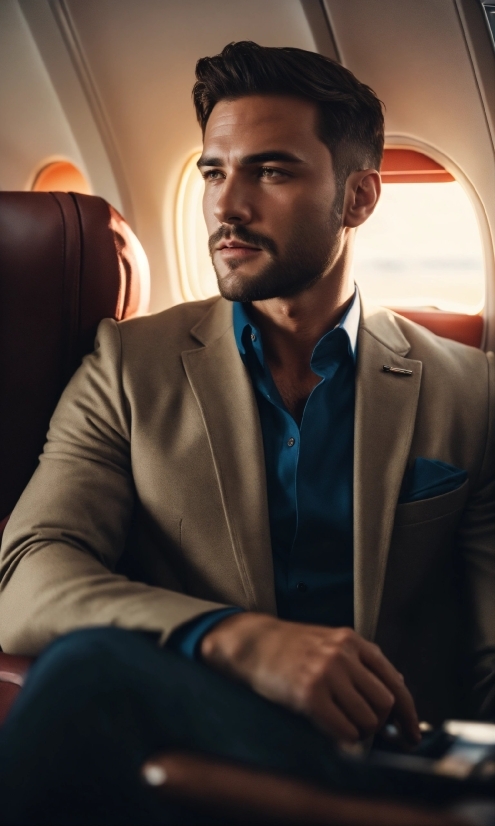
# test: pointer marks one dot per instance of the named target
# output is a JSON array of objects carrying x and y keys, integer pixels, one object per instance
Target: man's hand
[{"x": 343, "y": 683}]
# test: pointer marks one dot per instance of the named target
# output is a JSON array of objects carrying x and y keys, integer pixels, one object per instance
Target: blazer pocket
[{"x": 425, "y": 510}]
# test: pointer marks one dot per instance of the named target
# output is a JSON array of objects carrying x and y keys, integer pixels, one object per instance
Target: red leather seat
[
  {"x": 467, "y": 329},
  {"x": 66, "y": 261}
]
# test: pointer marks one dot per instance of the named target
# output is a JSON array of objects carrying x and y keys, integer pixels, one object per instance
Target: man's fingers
[
  {"x": 404, "y": 707},
  {"x": 331, "y": 719},
  {"x": 406, "y": 714},
  {"x": 357, "y": 709},
  {"x": 378, "y": 696}
]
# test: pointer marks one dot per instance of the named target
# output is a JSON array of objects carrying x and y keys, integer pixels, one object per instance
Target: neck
[{"x": 291, "y": 327}]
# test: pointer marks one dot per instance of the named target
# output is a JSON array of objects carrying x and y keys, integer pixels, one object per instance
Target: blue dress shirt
[{"x": 309, "y": 475}]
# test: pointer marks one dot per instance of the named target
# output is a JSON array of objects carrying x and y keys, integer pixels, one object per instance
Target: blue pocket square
[{"x": 428, "y": 478}]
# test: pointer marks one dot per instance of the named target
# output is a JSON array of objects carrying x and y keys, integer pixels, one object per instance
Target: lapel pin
[{"x": 399, "y": 370}]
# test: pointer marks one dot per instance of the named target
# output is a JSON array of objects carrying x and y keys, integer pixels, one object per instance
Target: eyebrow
[{"x": 259, "y": 157}]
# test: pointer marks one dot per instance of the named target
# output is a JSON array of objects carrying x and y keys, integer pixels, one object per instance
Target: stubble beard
[{"x": 307, "y": 258}]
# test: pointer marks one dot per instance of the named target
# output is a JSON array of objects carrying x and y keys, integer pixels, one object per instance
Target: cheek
[
  {"x": 309, "y": 202},
  {"x": 306, "y": 214}
]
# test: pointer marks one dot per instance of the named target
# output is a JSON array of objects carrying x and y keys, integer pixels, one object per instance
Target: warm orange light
[
  {"x": 406, "y": 166},
  {"x": 61, "y": 176}
]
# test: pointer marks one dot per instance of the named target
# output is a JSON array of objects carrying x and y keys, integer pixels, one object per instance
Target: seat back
[{"x": 66, "y": 262}]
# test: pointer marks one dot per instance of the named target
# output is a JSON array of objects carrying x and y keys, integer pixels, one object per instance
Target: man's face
[{"x": 271, "y": 206}]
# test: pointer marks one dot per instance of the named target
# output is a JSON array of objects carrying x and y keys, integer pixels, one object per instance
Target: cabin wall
[
  {"x": 33, "y": 126},
  {"x": 433, "y": 66}
]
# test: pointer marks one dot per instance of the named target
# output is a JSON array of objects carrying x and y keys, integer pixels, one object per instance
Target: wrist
[{"x": 231, "y": 644}]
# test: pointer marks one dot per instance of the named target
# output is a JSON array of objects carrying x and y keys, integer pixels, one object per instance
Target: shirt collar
[{"x": 349, "y": 322}]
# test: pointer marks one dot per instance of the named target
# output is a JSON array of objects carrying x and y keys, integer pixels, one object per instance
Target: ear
[{"x": 362, "y": 192}]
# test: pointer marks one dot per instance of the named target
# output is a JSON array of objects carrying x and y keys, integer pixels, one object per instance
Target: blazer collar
[
  {"x": 385, "y": 415},
  {"x": 225, "y": 396},
  {"x": 215, "y": 322},
  {"x": 382, "y": 325}
]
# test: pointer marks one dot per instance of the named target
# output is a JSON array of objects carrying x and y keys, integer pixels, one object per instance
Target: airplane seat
[
  {"x": 66, "y": 262},
  {"x": 467, "y": 329}
]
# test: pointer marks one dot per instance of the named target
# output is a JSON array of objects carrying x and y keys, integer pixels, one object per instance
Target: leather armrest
[
  {"x": 13, "y": 669},
  {"x": 242, "y": 795}
]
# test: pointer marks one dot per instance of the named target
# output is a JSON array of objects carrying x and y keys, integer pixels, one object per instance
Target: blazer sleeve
[
  {"x": 477, "y": 546},
  {"x": 66, "y": 534}
]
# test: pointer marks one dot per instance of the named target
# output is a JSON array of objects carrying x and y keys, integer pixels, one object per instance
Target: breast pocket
[
  {"x": 428, "y": 510},
  {"x": 421, "y": 556}
]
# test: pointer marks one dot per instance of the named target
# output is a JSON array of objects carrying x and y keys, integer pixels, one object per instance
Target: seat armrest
[
  {"x": 237, "y": 794},
  {"x": 13, "y": 668},
  {"x": 13, "y": 671}
]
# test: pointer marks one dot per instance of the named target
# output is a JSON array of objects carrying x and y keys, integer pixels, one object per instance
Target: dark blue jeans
[{"x": 98, "y": 702}]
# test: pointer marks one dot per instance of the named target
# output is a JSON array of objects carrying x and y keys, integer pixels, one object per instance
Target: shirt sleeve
[{"x": 186, "y": 639}]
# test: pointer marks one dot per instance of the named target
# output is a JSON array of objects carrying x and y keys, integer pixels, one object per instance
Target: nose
[{"x": 232, "y": 205}]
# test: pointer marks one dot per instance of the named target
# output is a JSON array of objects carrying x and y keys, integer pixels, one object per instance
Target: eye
[
  {"x": 212, "y": 174},
  {"x": 271, "y": 172}
]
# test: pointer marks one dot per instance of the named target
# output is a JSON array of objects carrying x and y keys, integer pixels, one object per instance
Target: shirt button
[
  {"x": 302, "y": 587},
  {"x": 291, "y": 442},
  {"x": 253, "y": 337}
]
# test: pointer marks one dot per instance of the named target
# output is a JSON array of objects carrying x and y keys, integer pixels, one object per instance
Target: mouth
[
  {"x": 236, "y": 245},
  {"x": 236, "y": 249}
]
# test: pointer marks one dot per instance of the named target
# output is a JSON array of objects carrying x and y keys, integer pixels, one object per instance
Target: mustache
[{"x": 241, "y": 233}]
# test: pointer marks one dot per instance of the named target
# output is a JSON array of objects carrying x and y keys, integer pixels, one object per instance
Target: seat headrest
[{"x": 66, "y": 261}]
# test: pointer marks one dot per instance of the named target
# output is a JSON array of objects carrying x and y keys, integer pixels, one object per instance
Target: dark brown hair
[{"x": 351, "y": 117}]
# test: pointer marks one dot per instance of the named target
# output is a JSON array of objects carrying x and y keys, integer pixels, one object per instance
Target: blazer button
[{"x": 302, "y": 587}]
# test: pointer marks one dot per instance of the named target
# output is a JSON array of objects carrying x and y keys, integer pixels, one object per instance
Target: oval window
[
  {"x": 422, "y": 247},
  {"x": 61, "y": 176},
  {"x": 197, "y": 276}
]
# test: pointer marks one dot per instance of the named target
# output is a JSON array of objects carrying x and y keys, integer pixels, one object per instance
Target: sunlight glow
[
  {"x": 197, "y": 276},
  {"x": 422, "y": 248},
  {"x": 61, "y": 176}
]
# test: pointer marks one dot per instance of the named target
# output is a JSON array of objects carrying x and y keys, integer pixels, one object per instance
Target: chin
[
  {"x": 236, "y": 285},
  {"x": 236, "y": 291}
]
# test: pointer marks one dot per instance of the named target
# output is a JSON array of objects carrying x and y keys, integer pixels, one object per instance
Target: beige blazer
[{"x": 149, "y": 505}]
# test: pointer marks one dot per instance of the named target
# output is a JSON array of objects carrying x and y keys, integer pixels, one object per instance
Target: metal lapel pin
[{"x": 399, "y": 370}]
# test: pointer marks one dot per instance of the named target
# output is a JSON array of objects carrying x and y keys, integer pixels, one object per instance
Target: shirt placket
[{"x": 296, "y": 584}]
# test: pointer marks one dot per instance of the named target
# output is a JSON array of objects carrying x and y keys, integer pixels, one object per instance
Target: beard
[{"x": 307, "y": 257}]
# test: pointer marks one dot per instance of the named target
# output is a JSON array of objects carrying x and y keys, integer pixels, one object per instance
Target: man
[{"x": 273, "y": 483}]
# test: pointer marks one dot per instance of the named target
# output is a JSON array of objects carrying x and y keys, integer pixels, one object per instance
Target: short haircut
[{"x": 350, "y": 114}]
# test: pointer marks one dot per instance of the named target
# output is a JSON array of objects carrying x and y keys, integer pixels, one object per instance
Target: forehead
[{"x": 251, "y": 121}]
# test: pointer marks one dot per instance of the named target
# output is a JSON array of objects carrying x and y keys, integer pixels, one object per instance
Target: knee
[
  {"x": 83, "y": 657},
  {"x": 86, "y": 643}
]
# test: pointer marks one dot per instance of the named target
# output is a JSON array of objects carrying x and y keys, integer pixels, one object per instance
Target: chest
[{"x": 294, "y": 389}]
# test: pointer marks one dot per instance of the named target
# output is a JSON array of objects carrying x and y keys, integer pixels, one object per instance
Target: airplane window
[
  {"x": 197, "y": 276},
  {"x": 61, "y": 176},
  {"x": 421, "y": 248}
]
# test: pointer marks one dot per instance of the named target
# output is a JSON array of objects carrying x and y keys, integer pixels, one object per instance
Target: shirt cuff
[{"x": 186, "y": 638}]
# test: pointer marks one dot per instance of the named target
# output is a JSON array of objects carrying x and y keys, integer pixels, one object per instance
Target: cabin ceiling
[{"x": 107, "y": 84}]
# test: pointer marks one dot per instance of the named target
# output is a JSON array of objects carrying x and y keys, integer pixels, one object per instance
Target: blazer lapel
[
  {"x": 228, "y": 406},
  {"x": 385, "y": 414}
]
